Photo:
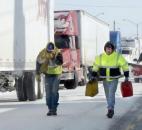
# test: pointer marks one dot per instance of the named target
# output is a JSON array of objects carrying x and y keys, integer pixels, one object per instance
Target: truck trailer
[
  {"x": 81, "y": 37},
  {"x": 136, "y": 59},
  {"x": 23, "y": 33}
]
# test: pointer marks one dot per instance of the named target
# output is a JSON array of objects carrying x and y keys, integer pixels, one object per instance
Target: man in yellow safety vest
[
  {"x": 108, "y": 66},
  {"x": 49, "y": 62}
]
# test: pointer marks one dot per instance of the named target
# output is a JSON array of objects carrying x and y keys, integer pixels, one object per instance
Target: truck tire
[
  {"x": 73, "y": 83},
  {"x": 20, "y": 89},
  {"x": 136, "y": 80},
  {"x": 29, "y": 84}
]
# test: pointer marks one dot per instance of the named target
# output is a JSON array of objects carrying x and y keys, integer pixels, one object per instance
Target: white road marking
[{"x": 2, "y": 110}]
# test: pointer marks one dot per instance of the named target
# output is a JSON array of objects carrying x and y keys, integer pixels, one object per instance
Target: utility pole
[
  {"x": 137, "y": 26},
  {"x": 114, "y": 26}
]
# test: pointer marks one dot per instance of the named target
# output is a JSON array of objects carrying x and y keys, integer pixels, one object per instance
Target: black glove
[
  {"x": 59, "y": 59},
  {"x": 92, "y": 76},
  {"x": 126, "y": 74}
]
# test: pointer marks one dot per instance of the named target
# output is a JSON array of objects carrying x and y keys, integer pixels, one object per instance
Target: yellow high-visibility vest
[
  {"x": 45, "y": 58},
  {"x": 109, "y": 66}
]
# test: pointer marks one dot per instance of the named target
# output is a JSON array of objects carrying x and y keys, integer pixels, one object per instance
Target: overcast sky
[{"x": 114, "y": 10}]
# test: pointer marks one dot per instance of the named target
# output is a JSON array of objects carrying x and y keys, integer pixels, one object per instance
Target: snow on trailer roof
[{"x": 85, "y": 12}]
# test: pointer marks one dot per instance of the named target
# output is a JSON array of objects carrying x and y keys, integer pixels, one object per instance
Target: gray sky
[{"x": 114, "y": 10}]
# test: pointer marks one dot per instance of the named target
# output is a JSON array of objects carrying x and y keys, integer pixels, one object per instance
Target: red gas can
[{"x": 126, "y": 89}]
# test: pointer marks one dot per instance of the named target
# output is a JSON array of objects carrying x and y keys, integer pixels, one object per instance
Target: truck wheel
[
  {"x": 40, "y": 86},
  {"x": 20, "y": 89},
  {"x": 136, "y": 80},
  {"x": 29, "y": 84},
  {"x": 72, "y": 84}
]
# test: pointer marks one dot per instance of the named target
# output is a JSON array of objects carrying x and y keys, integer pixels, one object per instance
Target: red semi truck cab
[
  {"x": 66, "y": 39},
  {"x": 81, "y": 37}
]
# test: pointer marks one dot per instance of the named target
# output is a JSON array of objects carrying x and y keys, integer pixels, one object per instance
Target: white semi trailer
[{"x": 24, "y": 31}]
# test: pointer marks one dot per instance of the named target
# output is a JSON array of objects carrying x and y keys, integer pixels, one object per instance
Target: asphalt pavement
[{"x": 132, "y": 120}]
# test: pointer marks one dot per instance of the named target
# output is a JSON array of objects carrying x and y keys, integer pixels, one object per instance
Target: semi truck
[
  {"x": 135, "y": 61},
  {"x": 81, "y": 37},
  {"x": 130, "y": 49},
  {"x": 23, "y": 33}
]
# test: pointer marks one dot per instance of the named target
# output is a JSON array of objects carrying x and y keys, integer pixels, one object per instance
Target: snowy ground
[{"x": 75, "y": 112}]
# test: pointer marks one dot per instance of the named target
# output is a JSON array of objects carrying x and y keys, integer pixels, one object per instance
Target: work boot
[
  {"x": 52, "y": 113},
  {"x": 49, "y": 113},
  {"x": 110, "y": 113}
]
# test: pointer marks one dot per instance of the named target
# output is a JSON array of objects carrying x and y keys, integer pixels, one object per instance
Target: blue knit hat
[{"x": 50, "y": 47}]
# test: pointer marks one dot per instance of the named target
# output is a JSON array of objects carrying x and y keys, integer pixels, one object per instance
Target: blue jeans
[
  {"x": 51, "y": 89},
  {"x": 110, "y": 88}
]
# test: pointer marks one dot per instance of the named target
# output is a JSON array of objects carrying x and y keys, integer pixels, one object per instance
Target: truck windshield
[{"x": 62, "y": 41}]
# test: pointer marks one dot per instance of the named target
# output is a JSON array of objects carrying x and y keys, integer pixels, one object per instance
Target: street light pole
[
  {"x": 114, "y": 25},
  {"x": 137, "y": 25}
]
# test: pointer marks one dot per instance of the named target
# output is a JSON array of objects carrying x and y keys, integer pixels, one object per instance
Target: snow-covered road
[{"x": 76, "y": 112}]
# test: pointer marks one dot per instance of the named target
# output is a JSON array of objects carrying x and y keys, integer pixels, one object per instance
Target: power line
[{"x": 99, "y": 6}]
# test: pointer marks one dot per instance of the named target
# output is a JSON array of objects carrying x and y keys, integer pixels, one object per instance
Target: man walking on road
[
  {"x": 49, "y": 62},
  {"x": 107, "y": 66}
]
